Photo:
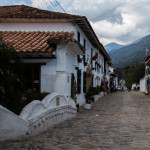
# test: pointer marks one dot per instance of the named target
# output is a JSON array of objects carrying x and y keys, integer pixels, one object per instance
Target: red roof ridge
[{"x": 25, "y": 11}]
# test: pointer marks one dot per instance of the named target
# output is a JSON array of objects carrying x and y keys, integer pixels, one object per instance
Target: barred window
[
  {"x": 78, "y": 81},
  {"x": 84, "y": 82}
]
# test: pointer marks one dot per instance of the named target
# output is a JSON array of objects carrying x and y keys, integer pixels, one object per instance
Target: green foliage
[
  {"x": 134, "y": 73},
  {"x": 12, "y": 80},
  {"x": 29, "y": 97},
  {"x": 11, "y": 77},
  {"x": 35, "y": 96},
  {"x": 100, "y": 89},
  {"x": 89, "y": 95},
  {"x": 91, "y": 92}
]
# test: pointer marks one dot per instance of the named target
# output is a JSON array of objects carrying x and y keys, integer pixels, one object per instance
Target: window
[
  {"x": 84, "y": 82},
  {"x": 102, "y": 67},
  {"x": 78, "y": 57},
  {"x": 84, "y": 56},
  {"x": 91, "y": 58},
  {"x": 84, "y": 59},
  {"x": 92, "y": 80},
  {"x": 78, "y": 81},
  {"x": 78, "y": 36},
  {"x": 32, "y": 73},
  {"x": 84, "y": 43}
]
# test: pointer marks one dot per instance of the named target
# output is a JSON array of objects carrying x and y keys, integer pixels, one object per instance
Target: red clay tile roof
[
  {"x": 36, "y": 41},
  {"x": 27, "y": 12},
  {"x": 23, "y": 11}
]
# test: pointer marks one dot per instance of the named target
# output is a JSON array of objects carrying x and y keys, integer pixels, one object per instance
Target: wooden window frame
[
  {"x": 79, "y": 81},
  {"x": 78, "y": 36}
]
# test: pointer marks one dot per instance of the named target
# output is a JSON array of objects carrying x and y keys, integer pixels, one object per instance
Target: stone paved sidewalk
[{"x": 118, "y": 121}]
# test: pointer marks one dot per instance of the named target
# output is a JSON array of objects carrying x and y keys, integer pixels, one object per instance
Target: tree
[
  {"x": 11, "y": 77},
  {"x": 134, "y": 73}
]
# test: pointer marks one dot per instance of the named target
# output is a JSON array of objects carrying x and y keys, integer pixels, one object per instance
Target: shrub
[
  {"x": 100, "y": 89},
  {"x": 12, "y": 80},
  {"x": 91, "y": 92},
  {"x": 29, "y": 97},
  {"x": 89, "y": 95},
  {"x": 11, "y": 77}
]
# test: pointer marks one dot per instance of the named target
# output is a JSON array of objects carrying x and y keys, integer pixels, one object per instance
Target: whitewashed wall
[
  {"x": 116, "y": 81},
  {"x": 53, "y": 73},
  {"x": 143, "y": 85},
  {"x": 11, "y": 125},
  {"x": 36, "y": 117},
  {"x": 36, "y": 27},
  {"x": 71, "y": 63}
]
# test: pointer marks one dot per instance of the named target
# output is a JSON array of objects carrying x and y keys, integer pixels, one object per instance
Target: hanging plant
[
  {"x": 79, "y": 60},
  {"x": 85, "y": 63}
]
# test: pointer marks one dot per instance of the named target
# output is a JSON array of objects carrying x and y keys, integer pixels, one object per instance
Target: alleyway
[{"x": 118, "y": 121}]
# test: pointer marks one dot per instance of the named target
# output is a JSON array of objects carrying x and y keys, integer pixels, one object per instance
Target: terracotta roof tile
[
  {"x": 23, "y": 11},
  {"x": 36, "y": 41},
  {"x": 27, "y": 12}
]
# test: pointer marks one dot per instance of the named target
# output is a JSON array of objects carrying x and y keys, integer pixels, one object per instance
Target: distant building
[
  {"x": 145, "y": 82},
  {"x": 113, "y": 78}
]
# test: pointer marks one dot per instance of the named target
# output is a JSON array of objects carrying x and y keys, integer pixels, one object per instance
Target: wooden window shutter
[
  {"x": 83, "y": 58},
  {"x": 91, "y": 58},
  {"x": 78, "y": 81},
  {"x": 92, "y": 80},
  {"x": 78, "y": 57},
  {"x": 84, "y": 82},
  {"x": 78, "y": 36}
]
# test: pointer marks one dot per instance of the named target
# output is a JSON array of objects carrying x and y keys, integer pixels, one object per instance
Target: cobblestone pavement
[{"x": 118, "y": 121}]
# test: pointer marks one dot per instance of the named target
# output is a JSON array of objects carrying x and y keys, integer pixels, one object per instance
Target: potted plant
[
  {"x": 79, "y": 60},
  {"x": 85, "y": 63},
  {"x": 89, "y": 98},
  {"x": 88, "y": 102}
]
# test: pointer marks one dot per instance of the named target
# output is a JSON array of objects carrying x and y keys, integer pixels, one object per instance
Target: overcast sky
[{"x": 121, "y": 21}]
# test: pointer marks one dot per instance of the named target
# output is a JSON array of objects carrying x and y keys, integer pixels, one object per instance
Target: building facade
[{"x": 59, "y": 50}]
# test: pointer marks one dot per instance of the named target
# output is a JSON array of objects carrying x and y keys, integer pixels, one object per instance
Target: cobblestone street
[{"x": 118, "y": 121}]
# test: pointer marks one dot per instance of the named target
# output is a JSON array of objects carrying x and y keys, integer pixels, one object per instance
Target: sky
[{"x": 120, "y": 21}]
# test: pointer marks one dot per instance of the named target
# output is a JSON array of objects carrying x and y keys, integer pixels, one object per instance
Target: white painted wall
[
  {"x": 36, "y": 117},
  {"x": 143, "y": 85},
  {"x": 11, "y": 125},
  {"x": 37, "y": 27},
  {"x": 71, "y": 63},
  {"x": 116, "y": 81},
  {"x": 53, "y": 73}
]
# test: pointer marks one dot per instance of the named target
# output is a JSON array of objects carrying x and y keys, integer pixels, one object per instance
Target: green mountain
[
  {"x": 109, "y": 47},
  {"x": 131, "y": 53}
]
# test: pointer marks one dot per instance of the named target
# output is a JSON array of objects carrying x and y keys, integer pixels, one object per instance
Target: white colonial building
[
  {"x": 113, "y": 78},
  {"x": 55, "y": 48},
  {"x": 145, "y": 81}
]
